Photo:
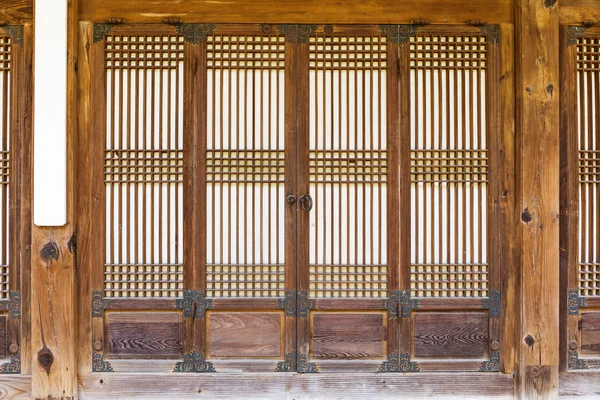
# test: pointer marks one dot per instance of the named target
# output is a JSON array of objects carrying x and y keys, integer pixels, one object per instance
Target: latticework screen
[
  {"x": 588, "y": 89},
  {"x": 5, "y": 106},
  {"x": 348, "y": 166},
  {"x": 144, "y": 166},
  {"x": 245, "y": 166},
  {"x": 448, "y": 166}
]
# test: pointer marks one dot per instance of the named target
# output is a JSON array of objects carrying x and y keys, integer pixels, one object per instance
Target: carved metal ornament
[
  {"x": 99, "y": 304},
  {"x": 297, "y": 33},
  {"x": 399, "y": 362},
  {"x": 391, "y": 365},
  {"x": 15, "y": 33},
  {"x": 575, "y": 362},
  {"x": 492, "y": 32},
  {"x": 575, "y": 302},
  {"x": 12, "y": 305},
  {"x": 194, "y": 362},
  {"x": 399, "y": 33},
  {"x": 305, "y": 367},
  {"x": 305, "y": 304},
  {"x": 14, "y": 366},
  {"x": 493, "y": 365},
  {"x": 574, "y": 33},
  {"x": 289, "y": 365},
  {"x": 99, "y": 365},
  {"x": 493, "y": 303},
  {"x": 194, "y": 300},
  {"x": 195, "y": 33},
  {"x": 288, "y": 303},
  {"x": 402, "y": 298},
  {"x": 100, "y": 31}
]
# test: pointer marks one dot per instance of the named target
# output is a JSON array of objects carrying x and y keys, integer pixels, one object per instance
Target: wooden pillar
[
  {"x": 537, "y": 109},
  {"x": 53, "y": 271}
]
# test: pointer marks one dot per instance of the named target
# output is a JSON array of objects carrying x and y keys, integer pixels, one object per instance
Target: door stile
[
  {"x": 194, "y": 138},
  {"x": 404, "y": 215},
  {"x": 292, "y": 131},
  {"x": 302, "y": 162}
]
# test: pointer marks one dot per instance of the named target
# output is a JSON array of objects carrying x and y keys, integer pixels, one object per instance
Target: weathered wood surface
[
  {"x": 315, "y": 11},
  {"x": 590, "y": 332},
  {"x": 537, "y": 92},
  {"x": 579, "y": 385},
  {"x": 294, "y": 386},
  {"x": 15, "y": 387},
  {"x": 577, "y": 11},
  {"x": 451, "y": 334}
]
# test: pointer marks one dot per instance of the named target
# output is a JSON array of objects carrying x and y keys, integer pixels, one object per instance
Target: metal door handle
[
  {"x": 291, "y": 199},
  {"x": 306, "y": 202}
]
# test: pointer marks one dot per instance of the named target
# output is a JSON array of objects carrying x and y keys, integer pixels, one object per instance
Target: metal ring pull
[{"x": 306, "y": 202}]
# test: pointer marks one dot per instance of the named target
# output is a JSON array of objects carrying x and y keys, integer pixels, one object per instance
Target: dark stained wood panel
[
  {"x": 590, "y": 332},
  {"x": 235, "y": 334},
  {"x": 348, "y": 335},
  {"x": 3, "y": 337},
  {"x": 451, "y": 334},
  {"x": 311, "y": 11},
  {"x": 144, "y": 335}
]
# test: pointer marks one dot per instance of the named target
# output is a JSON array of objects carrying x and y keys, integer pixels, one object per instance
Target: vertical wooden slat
[{"x": 538, "y": 148}]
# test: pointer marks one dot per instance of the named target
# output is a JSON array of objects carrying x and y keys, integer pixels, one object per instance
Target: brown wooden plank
[
  {"x": 451, "y": 334},
  {"x": 3, "y": 337},
  {"x": 148, "y": 335},
  {"x": 577, "y": 11},
  {"x": 248, "y": 334},
  {"x": 538, "y": 196},
  {"x": 579, "y": 385},
  {"x": 16, "y": 11},
  {"x": 314, "y": 386},
  {"x": 347, "y": 335},
  {"x": 590, "y": 332},
  {"x": 313, "y": 11}
]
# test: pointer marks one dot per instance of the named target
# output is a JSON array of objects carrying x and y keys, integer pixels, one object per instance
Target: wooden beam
[
  {"x": 53, "y": 269},
  {"x": 15, "y": 387},
  {"x": 284, "y": 385},
  {"x": 293, "y": 12},
  {"x": 16, "y": 11},
  {"x": 537, "y": 93}
]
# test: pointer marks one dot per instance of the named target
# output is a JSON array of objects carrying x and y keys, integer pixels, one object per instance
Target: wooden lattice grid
[
  {"x": 348, "y": 166},
  {"x": 5, "y": 137},
  {"x": 245, "y": 166},
  {"x": 449, "y": 166},
  {"x": 588, "y": 120},
  {"x": 144, "y": 166}
]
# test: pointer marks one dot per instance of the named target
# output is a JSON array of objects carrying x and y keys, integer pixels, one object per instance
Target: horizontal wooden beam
[
  {"x": 16, "y": 11},
  {"x": 289, "y": 385},
  {"x": 308, "y": 11},
  {"x": 579, "y": 385},
  {"x": 578, "y": 11}
]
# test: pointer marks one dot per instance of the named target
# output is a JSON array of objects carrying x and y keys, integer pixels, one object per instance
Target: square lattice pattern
[
  {"x": 588, "y": 88},
  {"x": 143, "y": 166},
  {"x": 449, "y": 166},
  {"x": 5, "y": 137}
]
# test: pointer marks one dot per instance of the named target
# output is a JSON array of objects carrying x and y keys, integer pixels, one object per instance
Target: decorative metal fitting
[
  {"x": 493, "y": 303},
  {"x": 98, "y": 363},
  {"x": 575, "y": 362},
  {"x": 194, "y": 303},
  {"x": 12, "y": 367},
  {"x": 194, "y": 362},
  {"x": 13, "y": 305},
  {"x": 575, "y": 302},
  {"x": 399, "y": 362},
  {"x": 493, "y": 365},
  {"x": 195, "y": 33},
  {"x": 574, "y": 33},
  {"x": 99, "y": 304}
]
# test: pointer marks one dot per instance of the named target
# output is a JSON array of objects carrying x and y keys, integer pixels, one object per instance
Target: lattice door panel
[
  {"x": 451, "y": 102},
  {"x": 139, "y": 83},
  {"x": 581, "y": 196},
  {"x": 346, "y": 235}
]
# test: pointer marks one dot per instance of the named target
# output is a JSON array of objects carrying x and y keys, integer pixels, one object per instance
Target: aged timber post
[
  {"x": 536, "y": 24},
  {"x": 53, "y": 269}
]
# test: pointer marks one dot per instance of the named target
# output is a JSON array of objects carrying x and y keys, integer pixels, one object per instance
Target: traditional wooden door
[{"x": 292, "y": 198}]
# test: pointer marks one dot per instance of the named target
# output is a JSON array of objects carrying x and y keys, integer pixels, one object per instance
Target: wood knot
[
  {"x": 549, "y": 3},
  {"x": 529, "y": 340},
  {"x": 46, "y": 359},
  {"x": 550, "y": 88},
  {"x": 50, "y": 251},
  {"x": 535, "y": 371},
  {"x": 526, "y": 216}
]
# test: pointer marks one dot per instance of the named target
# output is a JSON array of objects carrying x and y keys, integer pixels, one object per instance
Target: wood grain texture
[
  {"x": 297, "y": 386},
  {"x": 577, "y": 11},
  {"x": 347, "y": 335},
  {"x": 16, "y": 11},
  {"x": 245, "y": 334},
  {"x": 537, "y": 93},
  {"x": 590, "y": 332},
  {"x": 3, "y": 337},
  {"x": 579, "y": 385},
  {"x": 451, "y": 334},
  {"x": 15, "y": 387},
  {"x": 152, "y": 335},
  {"x": 310, "y": 11}
]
